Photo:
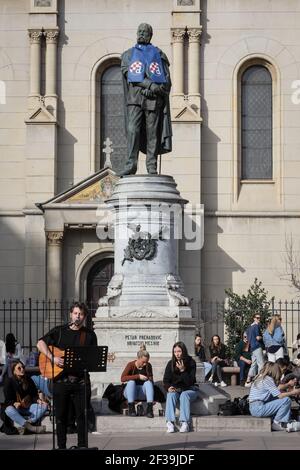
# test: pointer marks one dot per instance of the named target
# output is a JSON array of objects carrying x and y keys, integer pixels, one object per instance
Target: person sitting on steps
[
  {"x": 139, "y": 377},
  {"x": 180, "y": 382},
  {"x": 21, "y": 401},
  {"x": 217, "y": 352}
]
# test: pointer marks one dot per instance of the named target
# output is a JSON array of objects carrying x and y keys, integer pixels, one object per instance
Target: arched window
[
  {"x": 112, "y": 116},
  {"x": 256, "y": 123}
]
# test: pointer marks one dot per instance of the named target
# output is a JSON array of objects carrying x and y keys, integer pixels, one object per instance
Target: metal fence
[
  {"x": 30, "y": 319},
  {"x": 209, "y": 318}
]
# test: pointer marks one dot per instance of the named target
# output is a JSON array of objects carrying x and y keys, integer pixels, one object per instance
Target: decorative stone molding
[
  {"x": 194, "y": 34},
  {"x": 43, "y": 6},
  {"x": 55, "y": 238},
  {"x": 144, "y": 312},
  {"x": 51, "y": 36},
  {"x": 35, "y": 36},
  {"x": 178, "y": 35}
]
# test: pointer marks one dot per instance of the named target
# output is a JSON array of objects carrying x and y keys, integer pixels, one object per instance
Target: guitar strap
[{"x": 82, "y": 337}]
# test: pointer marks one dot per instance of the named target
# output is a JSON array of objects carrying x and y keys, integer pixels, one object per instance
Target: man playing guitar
[{"x": 66, "y": 387}]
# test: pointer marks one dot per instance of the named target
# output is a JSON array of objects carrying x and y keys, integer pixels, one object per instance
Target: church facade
[{"x": 235, "y": 111}]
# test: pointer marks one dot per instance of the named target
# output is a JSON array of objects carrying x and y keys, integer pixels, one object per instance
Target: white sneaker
[
  {"x": 216, "y": 384},
  {"x": 170, "y": 427},
  {"x": 184, "y": 427},
  {"x": 276, "y": 426},
  {"x": 223, "y": 384}
]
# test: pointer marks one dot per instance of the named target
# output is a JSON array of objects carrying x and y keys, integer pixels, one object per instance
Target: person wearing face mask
[
  {"x": 147, "y": 84},
  {"x": 139, "y": 377}
]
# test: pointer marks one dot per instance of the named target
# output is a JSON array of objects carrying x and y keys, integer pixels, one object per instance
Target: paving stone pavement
[{"x": 162, "y": 441}]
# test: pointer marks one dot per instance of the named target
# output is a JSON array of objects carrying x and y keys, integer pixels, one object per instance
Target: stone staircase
[{"x": 204, "y": 415}]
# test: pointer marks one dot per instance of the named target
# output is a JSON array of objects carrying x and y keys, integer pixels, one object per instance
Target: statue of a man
[{"x": 147, "y": 84}]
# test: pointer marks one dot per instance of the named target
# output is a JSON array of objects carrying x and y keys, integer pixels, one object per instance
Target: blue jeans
[
  {"x": 42, "y": 384},
  {"x": 279, "y": 409},
  {"x": 134, "y": 392},
  {"x": 258, "y": 361},
  {"x": 32, "y": 414},
  {"x": 185, "y": 398},
  {"x": 207, "y": 368}
]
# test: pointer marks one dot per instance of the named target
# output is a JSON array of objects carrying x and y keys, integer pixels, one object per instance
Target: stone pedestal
[{"x": 145, "y": 301}]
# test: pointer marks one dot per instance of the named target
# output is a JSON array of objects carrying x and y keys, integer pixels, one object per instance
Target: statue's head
[{"x": 144, "y": 33}]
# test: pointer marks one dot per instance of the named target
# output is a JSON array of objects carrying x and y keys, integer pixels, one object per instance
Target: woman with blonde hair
[
  {"x": 274, "y": 339},
  {"x": 139, "y": 377},
  {"x": 267, "y": 397}
]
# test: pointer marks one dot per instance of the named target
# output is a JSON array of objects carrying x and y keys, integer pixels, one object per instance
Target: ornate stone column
[
  {"x": 35, "y": 61},
  {"x": 194, "y": 62},
  {"x": 54, "y": 265},
  {"x": 51, "y": 61},
  {"x": 178, "y": 61}
]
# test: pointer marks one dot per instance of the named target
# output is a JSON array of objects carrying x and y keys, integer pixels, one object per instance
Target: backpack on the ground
[
  {"x": 239, "y": 406},
  {"x": 229, "y": 408},
  {"x": 243, "y": 405}
]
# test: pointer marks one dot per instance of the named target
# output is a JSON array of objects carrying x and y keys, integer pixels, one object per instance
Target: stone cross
[{"x": 107, "y": 150}]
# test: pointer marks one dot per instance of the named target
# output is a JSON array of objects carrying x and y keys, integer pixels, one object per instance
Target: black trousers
[{"x": 63, "y": 393}]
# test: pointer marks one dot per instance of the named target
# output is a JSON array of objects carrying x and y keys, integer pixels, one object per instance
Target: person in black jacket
[
  {"x": 22, "y": 404},
  {"x": 200, "y": 353},
  {"x": 217, "y": 352},
  {"x": 67, "y": 387},
  {"x": 179, "y": 381}
]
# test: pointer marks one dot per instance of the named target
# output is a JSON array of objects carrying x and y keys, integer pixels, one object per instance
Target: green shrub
[{"x": 239, "y": 311}]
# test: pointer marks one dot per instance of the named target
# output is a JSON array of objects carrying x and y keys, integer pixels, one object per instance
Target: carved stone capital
[
  {"x": 178, "y": 35},
  {"x": 51, "y": 36},
  {"x": 194, "y": 34},
  {"x": 54, "y": 238},
  {"x": 35, "y": 36}
]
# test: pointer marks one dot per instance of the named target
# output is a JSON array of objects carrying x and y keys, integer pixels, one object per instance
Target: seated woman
[
  {"x": 266, "y": 397},
  {"x": 139, "y": 377},
  {"x": 21, "y": 400},
  {"x": 217, "y": 358},
  {"x": 200, "y": 352},
  {"x": 274, "y": 339},
  {"x": 179, "y": 381},
  {"x": 243, "y": 358},
  {"x": 11, "y": 352}
]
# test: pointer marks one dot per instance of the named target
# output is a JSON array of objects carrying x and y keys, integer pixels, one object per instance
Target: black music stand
[{"x": 78, "y": 359}]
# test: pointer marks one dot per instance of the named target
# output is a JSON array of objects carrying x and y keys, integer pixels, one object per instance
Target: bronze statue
[{"x": 147, "y": 84}]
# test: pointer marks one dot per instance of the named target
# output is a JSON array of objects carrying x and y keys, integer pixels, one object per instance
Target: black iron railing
[{"x": 30, "y": 319}]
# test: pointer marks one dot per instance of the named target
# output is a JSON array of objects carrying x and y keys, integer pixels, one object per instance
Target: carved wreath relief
[{"x": 142, "y": 245}]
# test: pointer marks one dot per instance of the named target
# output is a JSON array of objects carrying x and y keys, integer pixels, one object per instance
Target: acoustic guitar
[{"x": 45, "y": 364}]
